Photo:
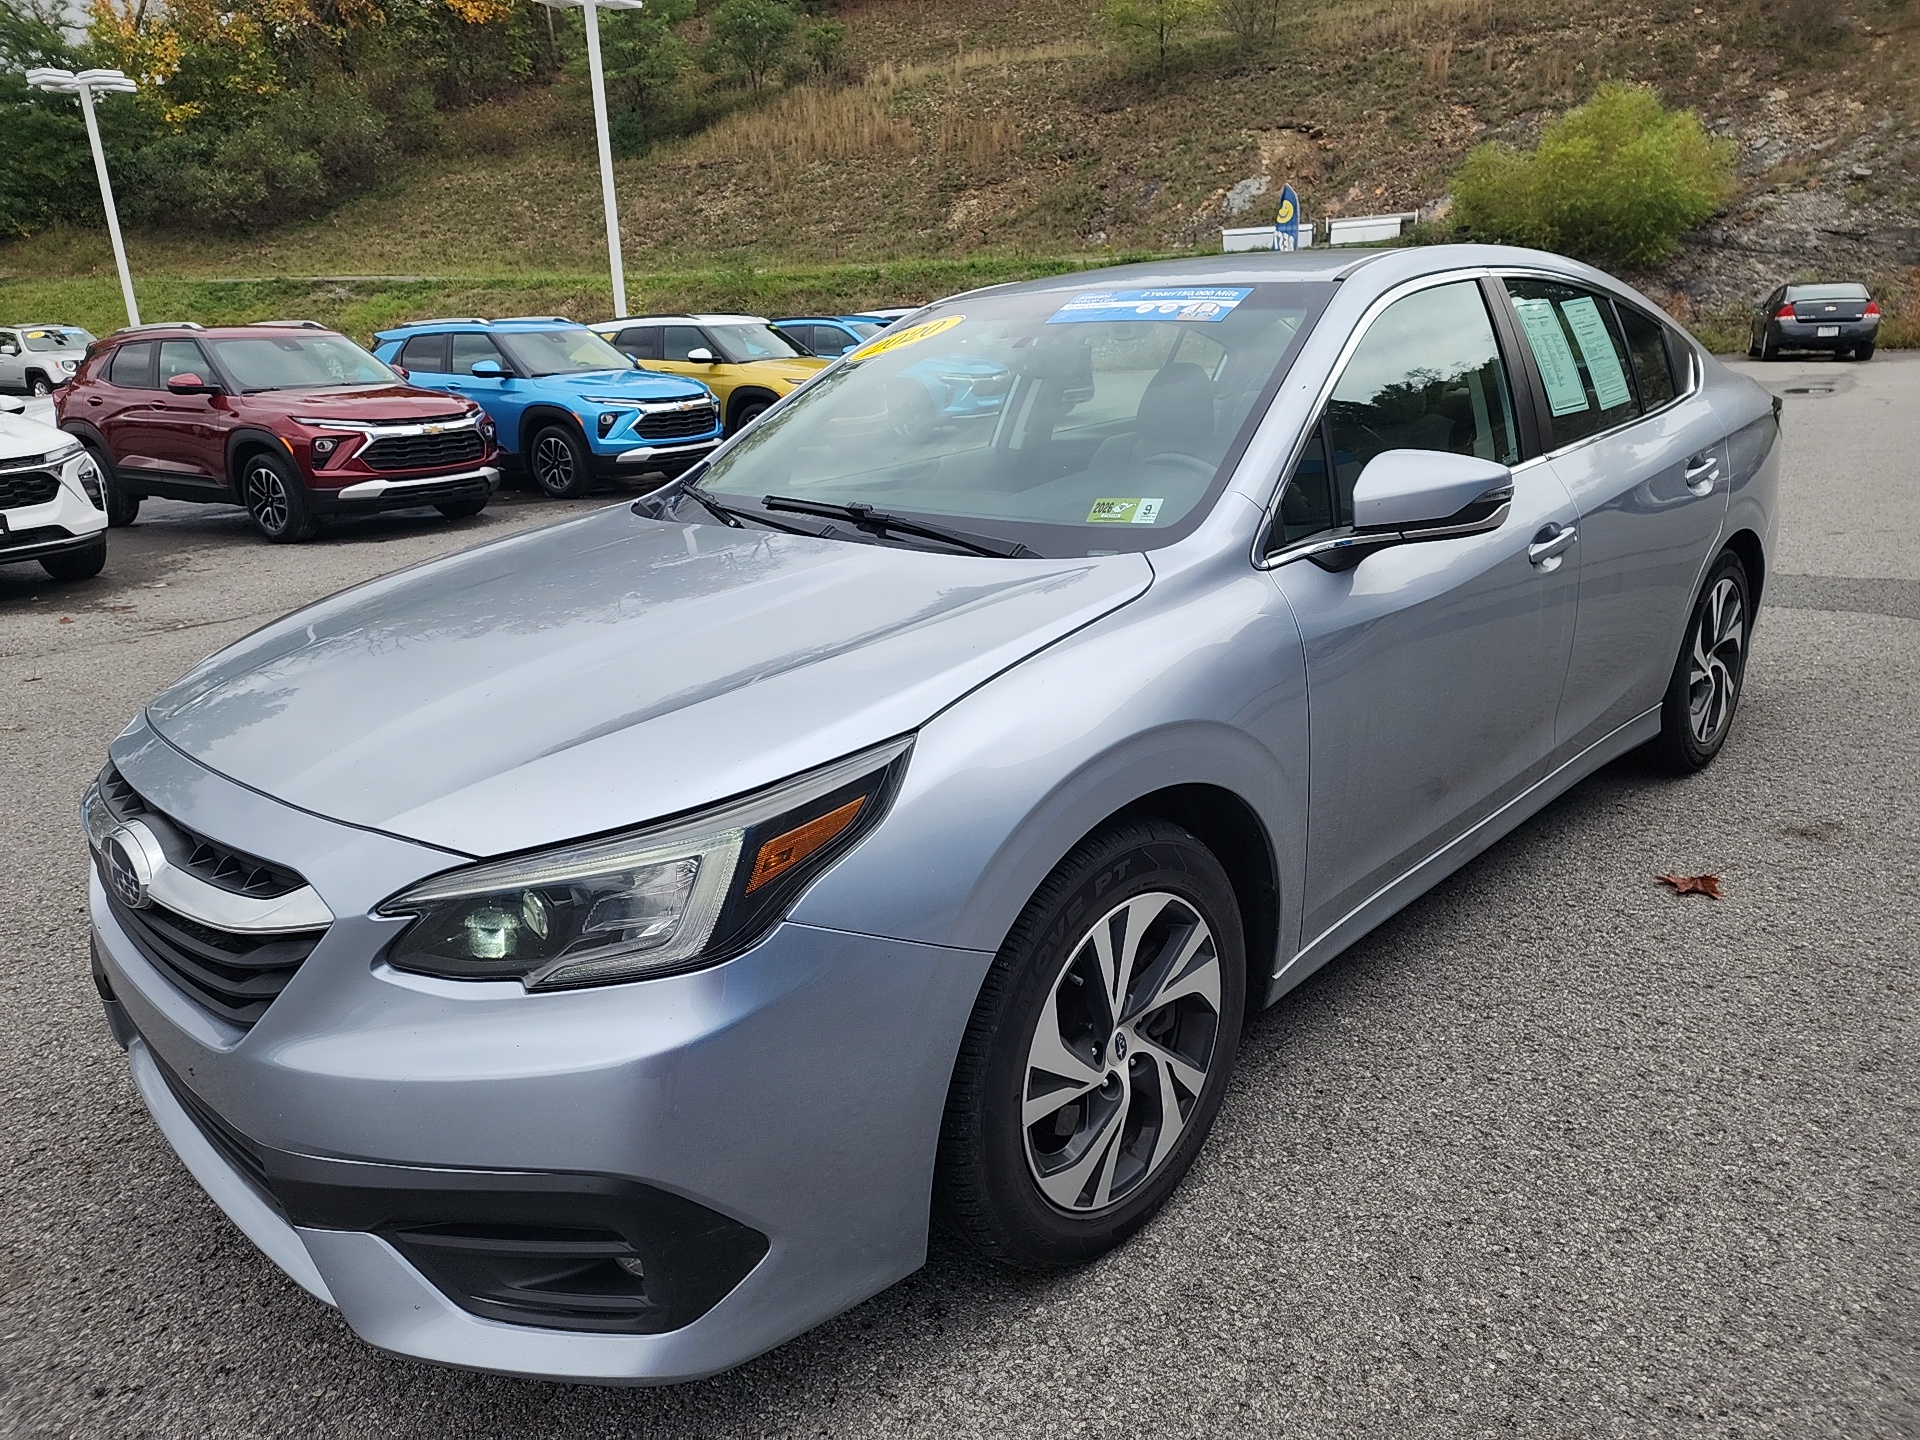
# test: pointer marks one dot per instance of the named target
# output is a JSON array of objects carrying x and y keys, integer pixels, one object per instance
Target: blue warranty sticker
[{"x": 1213, "y": 303}]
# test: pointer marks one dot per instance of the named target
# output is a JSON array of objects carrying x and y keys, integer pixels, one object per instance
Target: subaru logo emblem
[
  {"x": 1120, "y": 1046},
  {"x": 126, "y": 869}
]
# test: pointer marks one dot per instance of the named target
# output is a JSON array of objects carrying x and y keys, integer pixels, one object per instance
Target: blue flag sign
[{"x": 1286, "y": 220}]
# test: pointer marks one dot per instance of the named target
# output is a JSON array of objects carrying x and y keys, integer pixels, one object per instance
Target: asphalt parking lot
[{"x": 1553, "y": 1153}]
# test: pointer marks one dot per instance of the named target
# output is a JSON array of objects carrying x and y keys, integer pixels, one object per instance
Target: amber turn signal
[{"x": 783, "y": 852}]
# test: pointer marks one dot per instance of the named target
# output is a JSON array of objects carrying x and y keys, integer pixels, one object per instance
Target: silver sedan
[{"x": 604, "y": 953}]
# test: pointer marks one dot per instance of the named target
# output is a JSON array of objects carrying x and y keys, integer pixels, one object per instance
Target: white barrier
[
  {"x": 1260, "y": 237},
  {"x": 1368, "y": 229}
]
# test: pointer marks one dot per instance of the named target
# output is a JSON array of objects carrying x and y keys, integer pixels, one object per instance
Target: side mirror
[
  {"x": 191, "y": 384},
  {"x": 700, "y": 355},
  {"x": 7, "y": 347},
  {"x": 488, "y": 370},
  {"x": 399, "y": 370},
  {"x": 1409, "y": 495}
]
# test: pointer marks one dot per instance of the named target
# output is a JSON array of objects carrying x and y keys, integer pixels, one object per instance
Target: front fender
[{"x": 1209, "y": 690}]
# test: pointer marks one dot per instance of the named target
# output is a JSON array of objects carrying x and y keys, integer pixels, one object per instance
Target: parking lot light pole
[
  {"x": 599, "y": 79},
  {"x": 84, "y": 85}
]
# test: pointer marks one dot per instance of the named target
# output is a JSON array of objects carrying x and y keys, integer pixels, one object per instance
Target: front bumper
[
  {"x": 403, "y": 492},
  {"x": 65, "y": 523},
  {"x": 792, "y": 1094},
  {"x": 671, "y": 457}
]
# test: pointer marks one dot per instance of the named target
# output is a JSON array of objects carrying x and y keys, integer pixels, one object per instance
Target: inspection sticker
[
  {"x": 899, "y": 339},
  {"x": 1212, "y": 304},
  {"x": 1125, "y": 512}
]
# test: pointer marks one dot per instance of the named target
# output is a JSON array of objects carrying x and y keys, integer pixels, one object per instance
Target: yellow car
[{"x": 741, "y": 358}]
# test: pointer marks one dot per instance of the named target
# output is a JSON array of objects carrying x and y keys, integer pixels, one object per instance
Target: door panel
[
  {"x": 1651, "y": 492},
  {"x": 184, "y": 441},
  {"x": 1434, "y": 669}
]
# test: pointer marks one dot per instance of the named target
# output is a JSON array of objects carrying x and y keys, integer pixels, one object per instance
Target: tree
[
  {"x": 1618, "y": 180},
  {"x": 1253, "y": 22},
  {"x": 748, "y": 38},
  {"x": 642, "y": 54},
  {"x": 1153, "y": 25}
]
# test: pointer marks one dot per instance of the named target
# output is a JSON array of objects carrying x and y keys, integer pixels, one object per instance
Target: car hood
[
  {"x": 601, "y": 673},
  {"x": 639, "y": 384},
  {"x": 21, "y": 437},
  {"x": 359, "y": 402}
]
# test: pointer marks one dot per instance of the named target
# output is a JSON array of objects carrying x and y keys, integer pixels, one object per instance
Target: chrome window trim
[{"x": 1472, "y": 273}]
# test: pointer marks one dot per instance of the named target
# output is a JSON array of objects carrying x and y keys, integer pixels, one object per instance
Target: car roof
[
  {"x": 703, "y": 318},
  {"x": 466, "y": 322},
  {"x": 188, "y": 329}
]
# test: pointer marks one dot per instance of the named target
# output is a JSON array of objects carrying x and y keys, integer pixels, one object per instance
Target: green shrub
[
  {"x": 1153, "y": 27},
  {"x": 1617, "y": 181}
]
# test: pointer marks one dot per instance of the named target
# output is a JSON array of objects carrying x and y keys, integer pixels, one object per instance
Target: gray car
[
  {"x": 36, "y": 358},
  {"x": 602, "y": 954}
]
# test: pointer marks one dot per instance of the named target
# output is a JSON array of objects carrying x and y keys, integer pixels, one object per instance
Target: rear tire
[
  {"x": 461, "y": 509},
  {"x": 77, "y": 564},
  {"x": 1054, "y": 1178},
  {"x": 1768, "y": 349},
  {"x": 275, "y": 499},
  {"x": 1863, "y": 352},
  {"x": 558, "y": 461},
  {"x": 1697, "y": 714},
  {"x": 122, "y": 509}
]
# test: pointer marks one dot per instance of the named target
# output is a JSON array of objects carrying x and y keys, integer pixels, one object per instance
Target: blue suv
[{"x": 568, "y": 406}]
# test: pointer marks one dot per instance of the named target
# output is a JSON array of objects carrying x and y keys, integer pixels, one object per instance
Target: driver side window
[
  {"x": 1427, "y": 376},
  {"x": 470, "y": 348}
]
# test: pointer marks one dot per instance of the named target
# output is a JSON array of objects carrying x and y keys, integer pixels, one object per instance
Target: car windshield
[
  {"x": 865, "y": 329},
  {"x": 561, "y": 352},
  {"x": 741, "y": 344},
  {"x": 297, "y": 362},
  {"x": 1075, "y": 422},
  {"x": 57, "y": 338},
  {"x": 1827, "y": 292}
]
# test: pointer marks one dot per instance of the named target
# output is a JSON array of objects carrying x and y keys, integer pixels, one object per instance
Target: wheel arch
[
  {"x": 245, "y": 443},
  {"x": 537, "y": 416},
  {"x": 744, "y": 395},
  {"x": 1753, "y": 556}
]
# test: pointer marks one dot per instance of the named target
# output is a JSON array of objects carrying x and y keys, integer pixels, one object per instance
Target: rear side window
[
  {"x": 425, "y": 352},
  {"x": 1576, "y": 345},
  {"x": 470, "y": 348},
  {"x": 132, "y": 366},
  {"x": 642, "y": 342},
  {"x": 182, "y": 357},
  {"x": 1652, "y": 365}
]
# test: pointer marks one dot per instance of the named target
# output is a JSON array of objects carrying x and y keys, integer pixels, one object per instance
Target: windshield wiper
[
  {"x": 725, "y": 514},
  {"x": 878, "y": 522}
]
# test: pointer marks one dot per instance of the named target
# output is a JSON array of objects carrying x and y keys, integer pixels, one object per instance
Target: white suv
[
  {"x": 36, "y": 358},
  {"x": 51, "y": 507}
]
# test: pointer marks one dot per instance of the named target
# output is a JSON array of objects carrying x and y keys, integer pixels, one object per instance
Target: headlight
[
  {"x": 690, "y": 893},
  {"x": 67, "y": 365}
]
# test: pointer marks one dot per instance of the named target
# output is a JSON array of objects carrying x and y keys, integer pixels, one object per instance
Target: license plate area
[{"x": 1827, "y": 332}]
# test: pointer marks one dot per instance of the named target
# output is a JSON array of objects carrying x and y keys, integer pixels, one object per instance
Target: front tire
[
  {"x": 122, "y": 509},
  {"x": 1098, "y": 1051},
  {"x": 275, "y": 499},
  {"x": 77, "y": 564},
  {"x": 747, "y": 411},
  {"x": 557, "y": 458},
  {"x": 1697, "y": 714},
  {"x": 39, "y": 386}
]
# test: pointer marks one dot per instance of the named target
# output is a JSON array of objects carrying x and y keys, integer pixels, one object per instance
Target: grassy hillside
[{"x": 993, "y": 138}]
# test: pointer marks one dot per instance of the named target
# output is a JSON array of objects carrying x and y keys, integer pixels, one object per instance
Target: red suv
[{"x": 286, "y": 418}]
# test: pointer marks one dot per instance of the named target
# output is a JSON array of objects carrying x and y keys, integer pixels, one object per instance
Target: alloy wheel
[
  {"x": 266, "y": 497},
  {"x": 1713, "y": 674},
  {"x": 553, "y": 463},
  {"x": 1121, "y": 1052},
  {"x": 42, "y": 389}
]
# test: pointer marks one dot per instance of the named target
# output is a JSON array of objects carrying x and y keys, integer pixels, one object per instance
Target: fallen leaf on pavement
[
  {"x": 1707, "y": 885},
  {"x": 66, "y": 619}
]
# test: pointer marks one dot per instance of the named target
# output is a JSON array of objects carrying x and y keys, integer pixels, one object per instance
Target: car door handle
[
  {"x": 1701, "y": 472},
  {"x": 1550, "y": 544}
]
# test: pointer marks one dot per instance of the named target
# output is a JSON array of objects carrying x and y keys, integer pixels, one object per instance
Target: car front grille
[
  {"x": 425, "y": 452},
  {"x": 677, "y": 424},
  {"x": 27, "y": 487},
  {"x": 235, "y": 974}
]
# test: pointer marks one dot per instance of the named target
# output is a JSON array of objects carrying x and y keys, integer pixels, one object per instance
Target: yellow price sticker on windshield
[{"x": 912, "y": 335}]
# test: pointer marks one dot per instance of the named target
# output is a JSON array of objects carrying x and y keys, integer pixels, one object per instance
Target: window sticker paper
[
  {"x": 899, "y": 339},
  {"x": 1558, "y": 370},
  {"x": 1126, "y": 512},
  {"x": 1596, "y": 348},
  {"x": 1210, "y": 304}
]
